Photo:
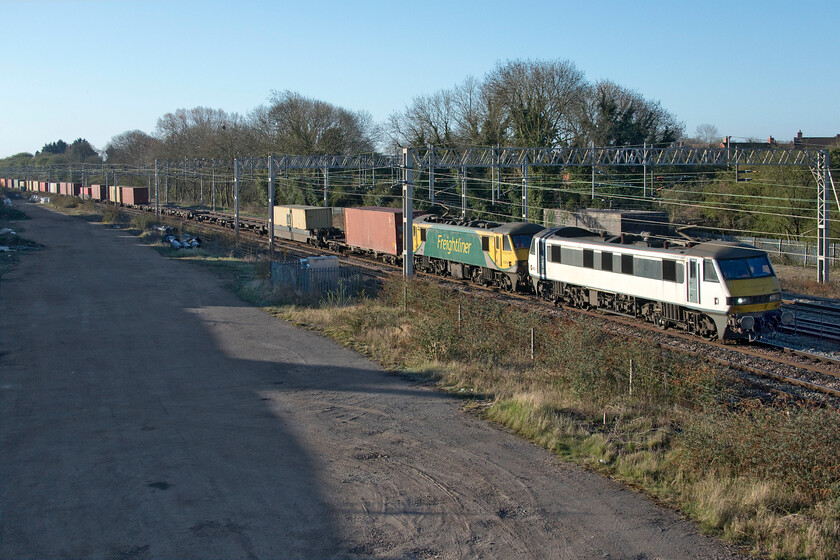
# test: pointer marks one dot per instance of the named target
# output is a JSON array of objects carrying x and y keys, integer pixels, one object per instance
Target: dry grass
[{"x": 801, "y": 280}]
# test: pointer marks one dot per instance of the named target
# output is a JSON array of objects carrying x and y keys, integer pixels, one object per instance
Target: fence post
[
  {"x": 532, "y": 344},
  {"x": 631, "y": 377}
]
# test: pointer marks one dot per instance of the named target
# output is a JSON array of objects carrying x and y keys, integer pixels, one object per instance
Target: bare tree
[
  {"x": 539, "y": 100},
  {"x": 199, "y": 132},
  {"x": 299, "y": 125},
  {"x": 707, "y": 134},
  {"x": 428, "y": 120},
  {"x": 132, "y": 147}
]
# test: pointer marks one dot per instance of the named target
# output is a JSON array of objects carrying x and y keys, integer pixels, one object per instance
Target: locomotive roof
[
  {"x": 708, "y": 249},
  {"x": 723, "y": 250},
  {"x": 481, "y": 225}
]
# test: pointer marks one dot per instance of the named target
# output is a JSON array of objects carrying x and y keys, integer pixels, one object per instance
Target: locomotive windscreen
[{"x": 751, "y": 267}]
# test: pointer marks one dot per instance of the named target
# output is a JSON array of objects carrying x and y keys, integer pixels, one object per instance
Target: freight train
[{"x": 714, "y": 290}]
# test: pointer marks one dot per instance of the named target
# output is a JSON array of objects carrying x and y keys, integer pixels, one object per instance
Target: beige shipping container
[{"x": 303, "y": 217}]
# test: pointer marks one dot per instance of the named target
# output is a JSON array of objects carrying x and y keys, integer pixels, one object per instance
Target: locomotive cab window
[
  {"x": 752, "y": 267},
  {"x": 521, "y": 241},
  {"x": 507, "y": 243},
  {"x": 485, "y": 243},
  {"x": 709, "y": 274},
  {"x": 534, "y": 246},
  {"x": 556, "y": 254},
  {"x": 422, "y": 234}
]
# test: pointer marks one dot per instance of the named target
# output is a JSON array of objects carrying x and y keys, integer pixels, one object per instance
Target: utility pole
[
  {"x": 431, "y": 173},
  {"x": 236, "y": 201},
  {"x": 270, "y": 209},
  {"x": 157, "y": 194},
  {"x": 408, "y": 212},
  {"x": 463, "y": 173},
  {"x": 326, "y": 184},
  {"x": 822, "y": 217},
  {"x": 592, "y": 147},
  {"x": 525, "y": 192}
]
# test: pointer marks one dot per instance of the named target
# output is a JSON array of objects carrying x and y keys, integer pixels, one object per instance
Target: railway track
[
  {"x": 776, "y": 369},
  {"x": 816, "y": 319}
]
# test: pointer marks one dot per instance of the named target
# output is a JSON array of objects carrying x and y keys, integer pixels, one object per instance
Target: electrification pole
[
  {"x": 822, "y": 217},
  {"x": 270, "y": 208},
  {"x": 408, "y": 212}
]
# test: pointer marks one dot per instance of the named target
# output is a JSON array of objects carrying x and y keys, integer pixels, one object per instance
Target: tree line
[{"x": 522, "y": 103}]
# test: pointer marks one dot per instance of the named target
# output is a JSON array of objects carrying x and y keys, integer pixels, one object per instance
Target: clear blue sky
[{"x": 94, "y": 69}]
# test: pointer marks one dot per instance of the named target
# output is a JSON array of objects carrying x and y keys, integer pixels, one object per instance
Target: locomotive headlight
[
  {"x": 747, "y": 323},
  {"x": 776, "y": 297},
  {"x": 742, "y": 301}
]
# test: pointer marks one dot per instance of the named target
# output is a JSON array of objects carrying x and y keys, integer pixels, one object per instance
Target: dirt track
[{"x": 148, "y": 413}]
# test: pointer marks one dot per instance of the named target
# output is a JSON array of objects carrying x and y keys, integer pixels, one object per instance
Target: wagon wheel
[{"x": 507, "y": 285}]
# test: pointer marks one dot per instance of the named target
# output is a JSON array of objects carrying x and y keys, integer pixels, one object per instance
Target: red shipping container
[
  {"x": 135, "y": 195},
  {"x": 375, "y": 228},
  {"x": 42, "y": 186}
]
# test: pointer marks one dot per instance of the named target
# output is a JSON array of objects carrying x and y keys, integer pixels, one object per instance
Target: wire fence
[
  {"x": 789, "y": 252},
  {"x": 316, "y": 277}
]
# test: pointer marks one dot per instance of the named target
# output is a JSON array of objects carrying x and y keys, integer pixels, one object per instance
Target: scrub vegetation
[{"x": 760, "y": 475}]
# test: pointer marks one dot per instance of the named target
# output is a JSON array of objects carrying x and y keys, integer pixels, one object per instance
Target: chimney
[{"x": 799, "y": 136}]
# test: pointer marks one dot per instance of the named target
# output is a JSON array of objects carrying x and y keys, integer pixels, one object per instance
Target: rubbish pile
[{"x": 186, "y": 241}]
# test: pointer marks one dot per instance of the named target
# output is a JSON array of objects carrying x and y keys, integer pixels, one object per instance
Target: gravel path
[{"x": 148, "y": 413}]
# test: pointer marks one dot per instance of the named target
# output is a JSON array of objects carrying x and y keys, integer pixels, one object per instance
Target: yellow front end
[{"x": 760, "y": 295}]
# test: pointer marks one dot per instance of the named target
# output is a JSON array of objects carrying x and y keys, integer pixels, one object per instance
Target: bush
[
  {"x": 114, "y": 215},
  {"x": 144, "y": 221},
  {"x": 797, "y": 447}
]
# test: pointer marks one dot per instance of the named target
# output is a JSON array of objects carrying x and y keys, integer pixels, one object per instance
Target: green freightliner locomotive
[{"x": 487, "y": 253}]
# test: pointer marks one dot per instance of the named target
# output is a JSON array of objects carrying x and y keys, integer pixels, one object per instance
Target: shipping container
[
  {"x": 338, "y": 217},
  {"x": 303, "y": 217},
  {"x": 114, "y": 194},
  {"x": 134, "y": 195},
  {"x": 42, "y": 186},
  {"x": 53, "y": 188},
  {"x": 84, "y": 192},
  {"x": 75, "y": 189},
  {"x": 374, "y": 228},
  {"x": 97, "y": 192}
]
